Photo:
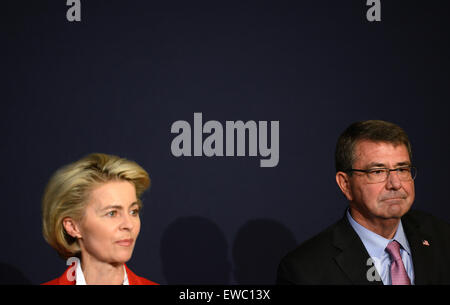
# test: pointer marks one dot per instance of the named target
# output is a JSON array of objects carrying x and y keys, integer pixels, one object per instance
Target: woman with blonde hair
[{"x": 90, "y": 212}]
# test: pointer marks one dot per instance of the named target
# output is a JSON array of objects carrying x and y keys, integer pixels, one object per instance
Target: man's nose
[{"x": 393, "y": 181}]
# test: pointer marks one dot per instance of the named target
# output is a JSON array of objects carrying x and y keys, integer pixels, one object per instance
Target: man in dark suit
[{"x": 379, "y": 240}]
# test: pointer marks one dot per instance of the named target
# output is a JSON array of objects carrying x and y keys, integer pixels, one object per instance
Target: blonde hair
[{"x": 67, "y": 190}]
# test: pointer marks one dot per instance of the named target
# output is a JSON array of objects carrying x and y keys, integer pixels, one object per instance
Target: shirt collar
[
  {"x": 376, "y": 244},
  {"x": 80, "y": 280}
]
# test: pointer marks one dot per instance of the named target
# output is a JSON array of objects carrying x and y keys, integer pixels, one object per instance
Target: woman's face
[{"x": 111, "y": 223}]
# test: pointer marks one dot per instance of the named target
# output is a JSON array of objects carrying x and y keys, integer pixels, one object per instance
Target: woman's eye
[{"x": 135, "y": 212}]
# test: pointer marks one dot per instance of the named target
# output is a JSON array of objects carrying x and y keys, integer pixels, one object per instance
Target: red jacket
[{"x": 133, "y": 279}]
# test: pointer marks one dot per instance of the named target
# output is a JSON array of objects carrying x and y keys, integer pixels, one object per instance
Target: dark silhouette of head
[
  {"x": 258, "y": 248},
  {"x": 194, "y": 251}
]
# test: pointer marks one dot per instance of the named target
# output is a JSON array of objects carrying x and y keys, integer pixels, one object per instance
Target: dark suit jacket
[{"x": 338, "y": 256}]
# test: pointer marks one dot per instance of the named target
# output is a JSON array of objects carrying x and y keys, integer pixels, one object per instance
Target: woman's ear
[
  {"x": 71, "y": 227},
  {"x": 343, "y": 181}
]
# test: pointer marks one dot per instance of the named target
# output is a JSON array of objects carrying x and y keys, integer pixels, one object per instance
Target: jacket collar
[
  {"x": 421, "y": 250},
  {"x": 65, "y": 278},
  {"x": 353, "y": 258}
]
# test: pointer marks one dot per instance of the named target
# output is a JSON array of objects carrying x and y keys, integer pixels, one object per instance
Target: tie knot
[{"x": 393, "y": 248}]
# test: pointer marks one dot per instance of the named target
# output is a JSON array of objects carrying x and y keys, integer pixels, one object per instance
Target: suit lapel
[
  {"x": 353, "y": 258},
  {"x": 132, "y": 278},
  {"x": 422, "y": 255}
]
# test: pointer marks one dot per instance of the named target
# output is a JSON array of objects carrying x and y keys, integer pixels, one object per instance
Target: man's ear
[
  {"x": 343, "y": 181},
  {"x": 71, "y": 227}
]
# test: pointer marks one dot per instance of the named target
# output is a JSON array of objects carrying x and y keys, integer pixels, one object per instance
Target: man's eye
[
  {"x": 376, "y": 171},
  {"x": 111, "y": 213},
  {"x": 404, "y": 170},
  {"x": 135, "y": 212}
]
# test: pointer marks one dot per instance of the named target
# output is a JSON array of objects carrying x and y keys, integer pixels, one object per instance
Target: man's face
[{"x": 389, "y": 199}]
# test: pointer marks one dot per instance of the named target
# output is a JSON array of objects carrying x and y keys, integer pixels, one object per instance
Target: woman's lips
[{"x": 125, "y": 242}]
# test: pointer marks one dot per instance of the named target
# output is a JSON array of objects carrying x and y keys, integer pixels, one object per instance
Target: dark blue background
[{"x": 117, "y": 80}]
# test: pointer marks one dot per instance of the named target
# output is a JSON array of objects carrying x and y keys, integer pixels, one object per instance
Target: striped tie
[{"x": 398, "y": 271}]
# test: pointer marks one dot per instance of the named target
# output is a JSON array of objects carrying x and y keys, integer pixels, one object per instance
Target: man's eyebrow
[
  {"x": 377, "y": 164},
  {"x": 404, "y": 163}
]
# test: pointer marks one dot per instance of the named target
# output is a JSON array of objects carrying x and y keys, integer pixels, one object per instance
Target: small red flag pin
[{"x": 425, "y": 242}]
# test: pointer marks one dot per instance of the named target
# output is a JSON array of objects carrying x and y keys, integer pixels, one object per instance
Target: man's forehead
[
  {"x": 371, "y": 143},
  {"x": 377, "y": 150}
]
